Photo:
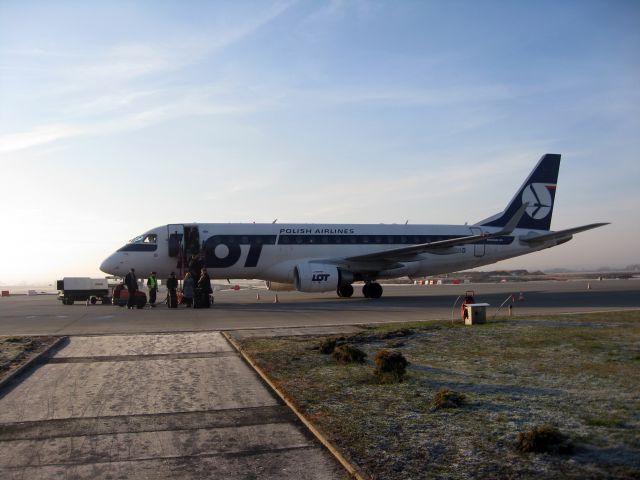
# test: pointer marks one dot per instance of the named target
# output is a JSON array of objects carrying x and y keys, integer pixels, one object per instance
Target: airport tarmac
[{"x": 240, "y": 309}]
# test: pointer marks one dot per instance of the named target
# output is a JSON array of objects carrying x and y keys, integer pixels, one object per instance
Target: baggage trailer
[
  {"x": 71, "y": 289},
  {"x": 121, "y": 297}
]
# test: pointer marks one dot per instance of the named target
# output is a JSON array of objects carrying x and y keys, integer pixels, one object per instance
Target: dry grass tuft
[
  {"x": 348, "y": 354},
  {"x": 327, "y": 345},
  {"x": 543, "y": 438},
  {"x": 446, "y": 398},
  {"x": 391, "y": 366}
]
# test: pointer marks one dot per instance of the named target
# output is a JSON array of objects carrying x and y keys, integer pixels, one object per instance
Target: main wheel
[
  {"x": 365, "y": 290},
  {"x": 93, "y": 300},
  {"x": 375, "y": 290},
  {"x": 345, "y": 290},
  {"x": 69, "y": 300}
]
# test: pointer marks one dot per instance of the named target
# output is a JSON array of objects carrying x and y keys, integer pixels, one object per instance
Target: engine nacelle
[
  {"x": 279, "y": 287},
  {"x": 319, "y": 277}
]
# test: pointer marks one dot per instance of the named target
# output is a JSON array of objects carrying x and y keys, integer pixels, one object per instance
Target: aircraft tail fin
[{"x": 538, "y": 191}]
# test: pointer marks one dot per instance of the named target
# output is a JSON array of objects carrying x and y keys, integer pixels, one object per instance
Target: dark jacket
[
  {"x": 172, "y": 283},
  {"x": 195, "y": 265},
  {"x": 131, "y": 282},
  {"x": 204, "y": 283}
]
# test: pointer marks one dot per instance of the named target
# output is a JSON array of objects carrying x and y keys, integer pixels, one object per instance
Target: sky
[{"x": 120, "y": 116}]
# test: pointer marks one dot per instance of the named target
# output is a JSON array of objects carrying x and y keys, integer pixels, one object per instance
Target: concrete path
[{"x": 152, "y": 406}]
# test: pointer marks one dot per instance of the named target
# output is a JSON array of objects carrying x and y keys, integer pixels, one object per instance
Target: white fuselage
[{"x": 271, "y": 251}]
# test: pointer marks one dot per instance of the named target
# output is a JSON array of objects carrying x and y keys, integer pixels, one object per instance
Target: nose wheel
[{"x": 372, "y": 290}]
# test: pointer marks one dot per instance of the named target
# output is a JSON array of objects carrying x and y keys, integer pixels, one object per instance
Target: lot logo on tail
[{"x": 538, "y": 195}]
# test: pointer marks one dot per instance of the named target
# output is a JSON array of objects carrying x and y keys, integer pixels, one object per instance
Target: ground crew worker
[{"x": 152, "y": 283}]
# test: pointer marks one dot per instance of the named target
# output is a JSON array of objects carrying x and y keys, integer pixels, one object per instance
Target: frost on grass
[{"x": 578, "y": 373}]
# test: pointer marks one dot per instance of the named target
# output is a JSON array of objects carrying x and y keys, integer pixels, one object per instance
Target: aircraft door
[
  {"x": 192, "y": 245},
  {"x": 176, "y": 233},
  {"x": 479, "y": 248}
]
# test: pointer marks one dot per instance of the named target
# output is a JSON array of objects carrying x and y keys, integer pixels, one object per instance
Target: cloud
[
  {"x": 37, "y": 136},
  {"x": 74, "y": 77}
]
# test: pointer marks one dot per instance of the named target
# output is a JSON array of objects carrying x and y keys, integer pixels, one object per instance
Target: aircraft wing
[
  {"x": 561, "y": 235},
  {"x": 443, "y": 247}
]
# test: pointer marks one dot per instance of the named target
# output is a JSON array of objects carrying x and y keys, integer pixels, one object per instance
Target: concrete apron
[{"x": 152, "y": 406}]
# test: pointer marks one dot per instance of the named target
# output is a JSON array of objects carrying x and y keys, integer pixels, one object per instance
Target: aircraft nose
[{"x": 112, "y": 264}]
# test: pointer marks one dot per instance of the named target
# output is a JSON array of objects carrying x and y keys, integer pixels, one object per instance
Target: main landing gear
[
  {"x": 372, "y": 290},
  {"x": 345, "y": 290},
  {"x": 369, "y": 290}
]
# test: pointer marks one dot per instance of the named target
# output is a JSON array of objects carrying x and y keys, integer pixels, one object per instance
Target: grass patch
[
  {"x": 446, "y": 398},
  {"x": 347, "y": 353},
  {"x": 578, "y": 373},
  {"x": 542, "y": 439},
  {"x": 328, "y": 345},
  {"x": 15, "y": 351},
  {"x": 391, "y": 366}
]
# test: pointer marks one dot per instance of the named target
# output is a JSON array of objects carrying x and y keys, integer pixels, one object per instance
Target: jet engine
[{"x": 319, "y": 277}]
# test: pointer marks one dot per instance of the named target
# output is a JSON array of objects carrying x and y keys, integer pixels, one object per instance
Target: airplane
[{"x": 331, "y": 257}]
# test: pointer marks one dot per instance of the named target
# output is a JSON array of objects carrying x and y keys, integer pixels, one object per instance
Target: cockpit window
[{"x": 151, "y": 238}]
